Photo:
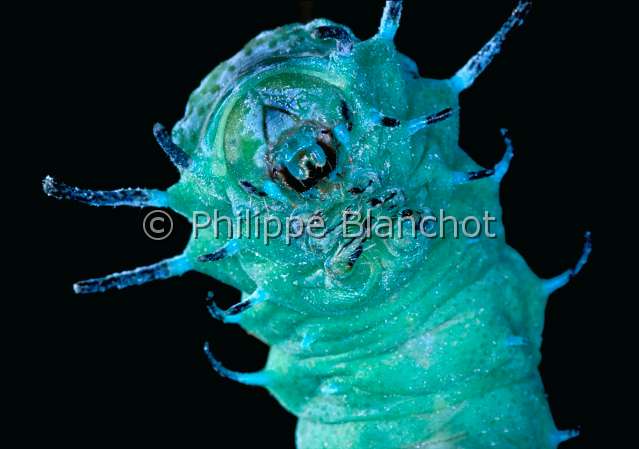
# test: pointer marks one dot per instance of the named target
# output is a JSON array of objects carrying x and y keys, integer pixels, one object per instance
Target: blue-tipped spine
[
  {"x": 257, "y": 379},
  {"x": 467, "y": 75},
  {"x": 554, "y": 284}
]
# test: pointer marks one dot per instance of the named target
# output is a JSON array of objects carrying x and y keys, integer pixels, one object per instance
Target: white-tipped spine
[{"x": 467, "y": 75}]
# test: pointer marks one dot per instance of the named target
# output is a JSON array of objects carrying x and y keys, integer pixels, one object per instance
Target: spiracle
[{"x": 378, "y": 338}]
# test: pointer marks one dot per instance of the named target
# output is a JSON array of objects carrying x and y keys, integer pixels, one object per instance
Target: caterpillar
[{"x": 374, "y": 342}]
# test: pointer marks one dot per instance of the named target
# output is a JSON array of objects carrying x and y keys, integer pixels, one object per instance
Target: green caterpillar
[{"x": 395, "y": 342}]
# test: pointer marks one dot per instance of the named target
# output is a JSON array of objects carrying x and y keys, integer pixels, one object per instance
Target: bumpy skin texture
[
  {"x": 409, "y": 350},
  {"x": 374, "y": 343}
]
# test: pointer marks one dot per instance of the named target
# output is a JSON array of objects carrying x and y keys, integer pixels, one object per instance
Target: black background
[{"x": 127, "y": 367}]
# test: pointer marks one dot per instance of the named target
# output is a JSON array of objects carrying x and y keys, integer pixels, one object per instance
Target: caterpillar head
[{"x": 309, "y": 125}]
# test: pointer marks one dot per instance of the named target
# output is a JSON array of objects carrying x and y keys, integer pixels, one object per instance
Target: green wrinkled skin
[{"x": 408, "y": 348}]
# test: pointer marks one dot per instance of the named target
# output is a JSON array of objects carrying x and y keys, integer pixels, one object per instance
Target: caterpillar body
[{"x": 383, "y": 343}]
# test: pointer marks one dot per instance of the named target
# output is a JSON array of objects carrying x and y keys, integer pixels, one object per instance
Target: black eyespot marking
[
  {"x": 439, "y": 116},
  {"x": 374, "y": 202},
  {"x": 251, "y": 189},
  {"x": 481, "y": 174},
  {"x": 407, "y": 213},
  {"x": 359, "y": 190},
  {"x": 354, "y": 256},
  {"x": 239, "y": 308},
  {"x": 347, "y": 115},
  {"x": 390, "y": 122},
  {"x": 213, "y": 257},
  {"x": 390, "y": 196}
]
